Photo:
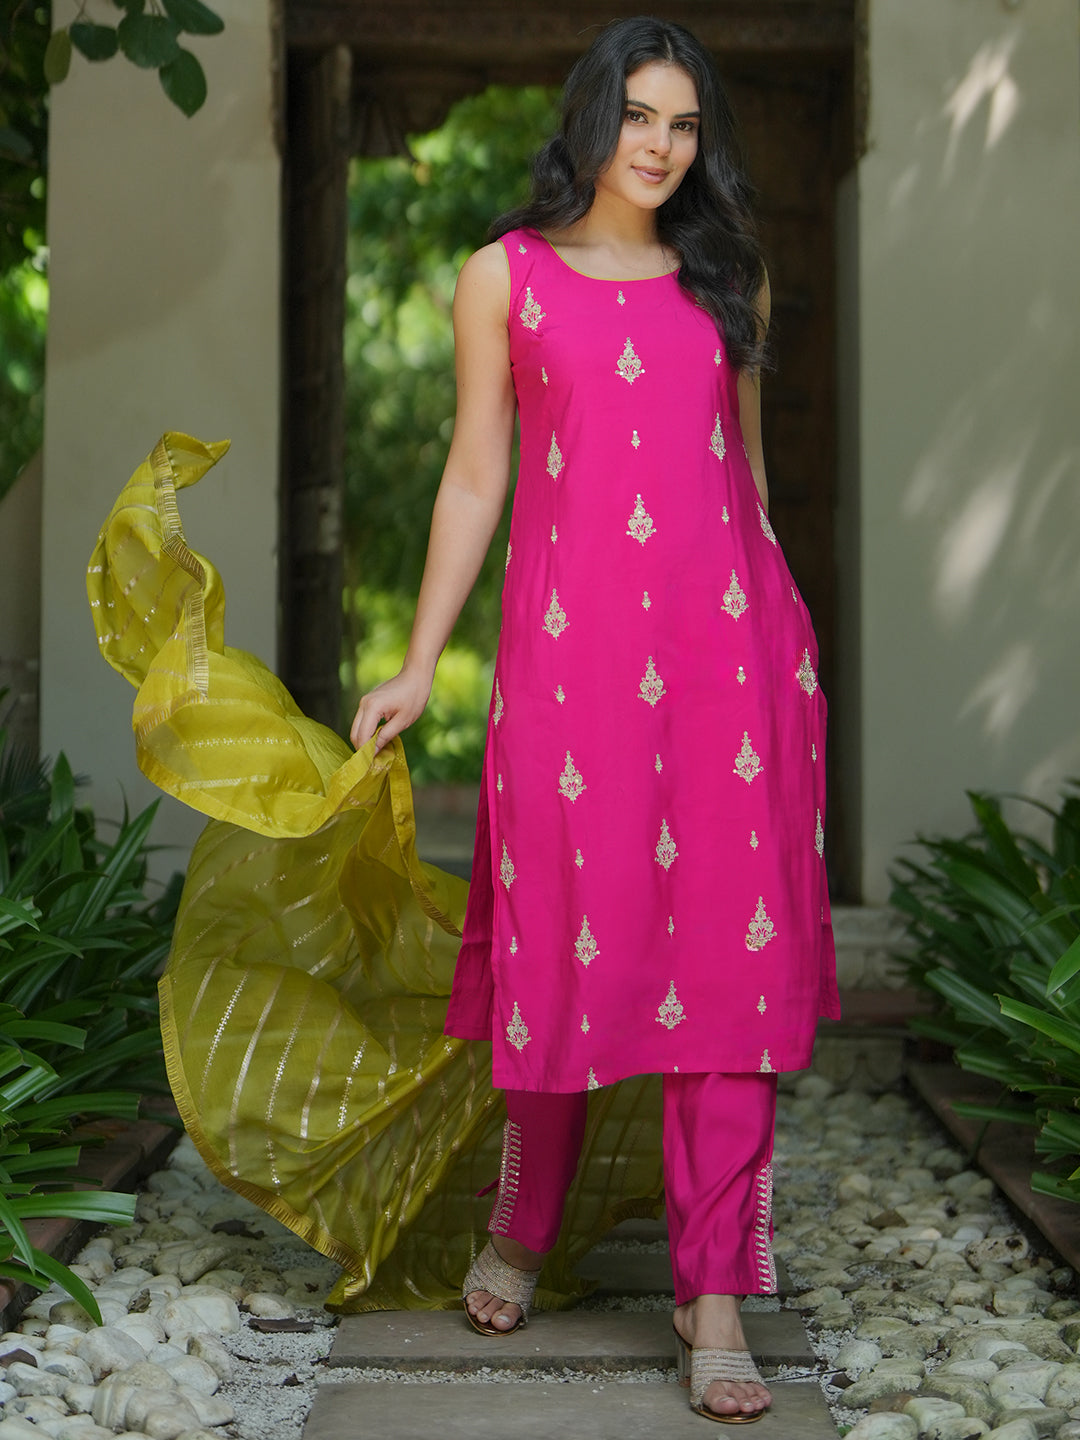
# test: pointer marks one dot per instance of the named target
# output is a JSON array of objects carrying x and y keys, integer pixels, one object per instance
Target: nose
[{"x": 660, "y": 140}]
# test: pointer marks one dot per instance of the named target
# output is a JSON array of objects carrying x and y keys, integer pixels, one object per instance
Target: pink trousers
[{"x": 718, "y": 1140}]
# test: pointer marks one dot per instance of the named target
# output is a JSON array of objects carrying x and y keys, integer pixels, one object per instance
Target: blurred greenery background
[{"x": 413, "y": 221}]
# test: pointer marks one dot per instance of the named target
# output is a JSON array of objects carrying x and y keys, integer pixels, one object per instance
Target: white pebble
[{"x": 108, "y": 1349}]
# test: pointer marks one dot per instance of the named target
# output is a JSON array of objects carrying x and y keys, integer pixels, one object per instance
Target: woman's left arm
[{"x": 750, "y": 403}]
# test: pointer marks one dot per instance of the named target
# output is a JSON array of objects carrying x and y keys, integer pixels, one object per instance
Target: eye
[
  {"x": 634, "y": 116},
  {"x": 689, "y": 127}
]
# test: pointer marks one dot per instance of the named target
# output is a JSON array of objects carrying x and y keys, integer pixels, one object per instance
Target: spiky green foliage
[
  {"x": 80, "y": 950},
  {"x": 994, "y": 925}
]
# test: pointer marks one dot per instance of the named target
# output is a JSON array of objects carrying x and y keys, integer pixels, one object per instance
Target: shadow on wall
[
  {"x": 20, "y": 605},
  {"x": 975, "y": 265}
]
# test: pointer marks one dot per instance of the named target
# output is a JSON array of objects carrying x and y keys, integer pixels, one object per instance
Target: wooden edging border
[
  {"x": 1006, "y": 1152},
  {"x": 132, "y": 1150}
]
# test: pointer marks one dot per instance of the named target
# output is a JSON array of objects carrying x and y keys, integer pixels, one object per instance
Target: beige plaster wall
[
  {"x": 968, "y": 415},
  {"x": 164, "y": 314}
]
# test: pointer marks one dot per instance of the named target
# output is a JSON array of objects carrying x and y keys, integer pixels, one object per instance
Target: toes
[{"x": 725, "y": 1397}]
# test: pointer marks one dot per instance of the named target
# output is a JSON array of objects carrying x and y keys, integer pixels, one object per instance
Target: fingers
[{"x": 366, "y": 722}]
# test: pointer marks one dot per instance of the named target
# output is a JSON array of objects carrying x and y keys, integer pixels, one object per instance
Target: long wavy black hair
[{"x": 708, "y": 221}]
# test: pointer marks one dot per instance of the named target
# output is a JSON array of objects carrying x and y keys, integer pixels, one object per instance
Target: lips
[{"x": 649, "y": 175}]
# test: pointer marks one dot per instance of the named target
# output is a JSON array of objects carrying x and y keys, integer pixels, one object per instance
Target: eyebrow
[{"x": 640, "y": 105}]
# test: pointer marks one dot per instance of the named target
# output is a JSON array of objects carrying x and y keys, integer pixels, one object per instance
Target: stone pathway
[{"x": 913, "y": 1308}]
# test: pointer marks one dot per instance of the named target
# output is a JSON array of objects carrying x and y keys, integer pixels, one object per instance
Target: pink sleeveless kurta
[{"x": 648, "y": 888}]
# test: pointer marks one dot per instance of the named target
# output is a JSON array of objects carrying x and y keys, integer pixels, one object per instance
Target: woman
[{"x": 648, "y": 890}]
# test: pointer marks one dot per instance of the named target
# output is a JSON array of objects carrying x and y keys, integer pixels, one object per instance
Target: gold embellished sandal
[
  {"x": 491, "y": 1273},
  {"x": 701, "y": 1367}
]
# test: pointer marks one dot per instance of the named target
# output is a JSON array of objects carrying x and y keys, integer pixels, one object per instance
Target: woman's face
[{"x": 658, "y": 140}]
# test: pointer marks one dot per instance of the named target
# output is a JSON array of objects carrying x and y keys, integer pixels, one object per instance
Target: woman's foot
[
  {"x": 495, "y": 1310},
  {"x": 711, "y": 1322}
]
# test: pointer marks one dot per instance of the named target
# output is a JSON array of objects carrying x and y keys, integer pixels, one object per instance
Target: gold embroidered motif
[
  {"x": 805, "y": 674},
  {"x": 794, "y": 594},
  {"x": 585, "y": 946},
  {"x": 761, "y": 1006},
  {"x": 766, "y": 528},
  {"x": 499, "y": 707},
  {"x": 718, "y": 357},
  {"x": 671, "y": 924},
  {"x": 593, "y": 1083},
  {"x": 521, "y": 249},
  {"x": 646, "y": 603},
  {"x": 499, "y": 785},
  {"x": 819, "y": 837},
  {"x": 651, "y": 688},
  {"x": 530, "y": 314},
  {"x": 584, "y": 1024},
  {"x": 630, "y": 366},
  {"x": 579, "y": 860},
  {"x": 765, "y": 1068},
  {"x": 740, "y": 675},
  {"x": 513, "y": 945},
  {"x": 724, "y": 516},
  {"x": 813, "y": 752},
  {"x": 509, "y": 553},
  {"x": 747, "y": 763},
  {"x": 716, "y": 444},
  {"x": 560, "y": 694},
  {"x": 635, "y": 440},
  {"x": 671, "y": 1012},
  {"x": 555, "y": 460},
  {"x": 761, "y": 929},
  {"x": 543, "y": 374},
  {"x": 571, "y": 783},
  {"x": 753, "y": 840},
  {"x": 555, "y": 621},
  {"x": 507, "y": 873},
  {"x": 554, "y": 535},
  {"x": 735, "y": 602},
  {"x": 640, "y": 524},
  {"x": 666, "y": 854},
  {"x": 659, "y": 764},
  {"x": 517, "y": 1032},
  {"x": 621, "y": 298}
]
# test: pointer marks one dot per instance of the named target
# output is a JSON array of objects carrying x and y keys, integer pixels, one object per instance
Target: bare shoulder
[{"x": 486, "y": 269}]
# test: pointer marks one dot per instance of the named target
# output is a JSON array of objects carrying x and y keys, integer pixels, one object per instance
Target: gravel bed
[{"x": 930, "y": 1312}]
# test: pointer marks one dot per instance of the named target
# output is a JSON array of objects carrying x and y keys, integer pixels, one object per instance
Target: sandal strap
[
  {"x": 709, "y": 1365},
  {"x": 490, "y": 1272}
]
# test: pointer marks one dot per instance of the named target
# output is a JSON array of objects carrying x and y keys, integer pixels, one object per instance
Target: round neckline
[{"x": 603, "y": 279}]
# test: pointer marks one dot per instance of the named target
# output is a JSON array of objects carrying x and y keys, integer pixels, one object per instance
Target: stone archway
[{"x": 362, "y": 74}]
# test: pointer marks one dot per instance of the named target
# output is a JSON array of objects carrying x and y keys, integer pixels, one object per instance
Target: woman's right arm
[{"x": 471, "y": 495}]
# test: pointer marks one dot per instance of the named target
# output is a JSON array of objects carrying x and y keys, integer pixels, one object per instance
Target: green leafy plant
[
  {"x": 148, "y": 34},
  {"x": 994, "y": 925},
  {"x": 80, "y": 950}
]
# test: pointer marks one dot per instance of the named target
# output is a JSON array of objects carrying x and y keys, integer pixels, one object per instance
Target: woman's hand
[{"x": 399, "y": 701}]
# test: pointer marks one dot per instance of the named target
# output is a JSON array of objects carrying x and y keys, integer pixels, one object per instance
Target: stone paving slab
[
  {"x": 629, "y": 1272},
  {"x": 605, "y": 1411},
  {"x": 581, "y": 1340}
]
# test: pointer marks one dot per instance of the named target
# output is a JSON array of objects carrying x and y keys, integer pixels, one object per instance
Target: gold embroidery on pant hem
[
  {"x": 666, "y": 853},
  {"x": 585, "y": 946},
  {"x": 671, "y": 1012},
  {"x": 761, "y": 929},
  {"x": 571, "y": 782},
  {"x": 765, "y": 1068},
  {"x": 593, "y": 1083}
]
